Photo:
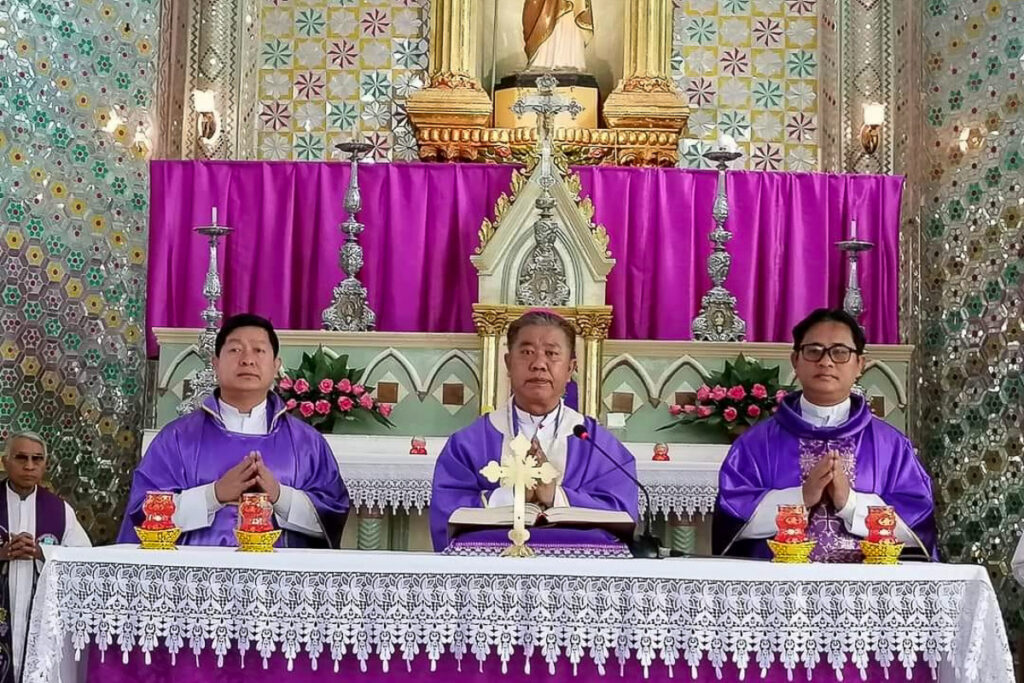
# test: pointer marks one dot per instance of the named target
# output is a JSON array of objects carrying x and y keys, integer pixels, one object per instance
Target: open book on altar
[{"x": 619, "y": 523}]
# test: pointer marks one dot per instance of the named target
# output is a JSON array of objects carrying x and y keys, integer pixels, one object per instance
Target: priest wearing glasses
[
  {"x": 540, "y": 363},
  {"x": 825, "y": 450}
]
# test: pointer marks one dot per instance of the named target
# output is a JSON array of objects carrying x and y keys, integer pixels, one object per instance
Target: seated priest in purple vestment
[
  {"x": 539, "y": 362},
  {"x": 33, "y": 517},
  {"x": 824, "y": 449},
  {"x": 242, "y": 440}
]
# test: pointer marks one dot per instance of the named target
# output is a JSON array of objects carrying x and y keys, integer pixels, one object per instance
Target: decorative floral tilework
[
  {"x": 326, "y": 65},
  {"x": 749, "y": 69}
]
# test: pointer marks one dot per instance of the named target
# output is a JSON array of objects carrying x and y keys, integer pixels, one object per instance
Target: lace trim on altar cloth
[
  {"x": 678, "y": 623},
  {"x": 413, "y": 495},
  {"x": 584, "y": 551}
]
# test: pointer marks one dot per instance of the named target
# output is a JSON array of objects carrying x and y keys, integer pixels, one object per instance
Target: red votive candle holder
[
  {"x": 791, "y": 521},
  {"x": 158, "y": 507},
  {"x": 255, "y": 513},
  {"x": 881, "y": 524}
]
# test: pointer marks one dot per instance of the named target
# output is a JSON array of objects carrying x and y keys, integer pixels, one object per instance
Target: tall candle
[
  {"x": 214, "y": 219},
  {"x": 853, "y": 229}
]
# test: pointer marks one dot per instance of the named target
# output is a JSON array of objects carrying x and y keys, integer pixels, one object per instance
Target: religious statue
[
  {"x": 418, "y": 446},
  {"x": 556, "y": 33},
  {"x": 660, "y": 453}
]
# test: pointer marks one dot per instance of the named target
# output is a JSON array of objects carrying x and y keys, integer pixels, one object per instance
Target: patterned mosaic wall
[
  {"x": 326, "y": 63},
  {"x": 76, "y": 80},
  {"x": 973, "y": 281},
  {"x": 750, "y": 70},
  {"x": 748, "y": 67}
]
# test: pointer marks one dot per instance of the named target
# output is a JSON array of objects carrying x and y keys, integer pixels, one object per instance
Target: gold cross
[{"x": 519, "y": 469}]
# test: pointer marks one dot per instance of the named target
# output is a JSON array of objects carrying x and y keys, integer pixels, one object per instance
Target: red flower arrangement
[
  {"x": 743, "y": 394},
  {"x": 324, "y": 390}
]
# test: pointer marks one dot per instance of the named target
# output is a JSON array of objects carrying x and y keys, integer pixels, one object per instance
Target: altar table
[{"x": 202, "y": 614}]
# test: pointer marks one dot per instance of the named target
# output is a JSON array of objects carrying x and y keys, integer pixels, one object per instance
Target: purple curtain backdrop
[{"x": 421, "y": 228}]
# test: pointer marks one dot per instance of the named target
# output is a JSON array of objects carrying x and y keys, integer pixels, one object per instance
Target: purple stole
[
  {"x": 835, "y": 543},
  {"x": 50, "y": 525}
]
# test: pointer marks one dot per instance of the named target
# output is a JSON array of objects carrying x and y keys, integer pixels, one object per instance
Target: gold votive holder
[
  {"x": 257, "y": 541},
  {"x": 791, "y": 553},
  {"x": 158, "y": 539},
  {"x": 881, "y": 553}
]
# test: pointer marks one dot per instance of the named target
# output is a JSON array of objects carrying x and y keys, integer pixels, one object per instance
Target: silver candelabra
[
  {"x": 718, "y": 320},
  {"x": 853, "y": 301},
  {"x": 349, "y": 311},
  {"x": 205, "y": 380}
]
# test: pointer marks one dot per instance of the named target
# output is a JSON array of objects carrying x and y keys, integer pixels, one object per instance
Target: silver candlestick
[
  {"x": 206, "y": 379},
  {"x": 349, "y": 311},
  {"x": 853, "y": 301},
  {"x": 718, "y": 320}
]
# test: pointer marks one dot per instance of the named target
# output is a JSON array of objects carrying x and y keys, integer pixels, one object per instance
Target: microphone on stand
[{"x": 646, "y": 545}]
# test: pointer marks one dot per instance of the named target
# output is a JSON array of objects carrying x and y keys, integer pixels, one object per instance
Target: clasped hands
[
  {"x": 21, "y": 546},
  {"x": 827, "y": 481},
  {"x": 541, "y": 494},
  {"x": 251, "y": 473}
]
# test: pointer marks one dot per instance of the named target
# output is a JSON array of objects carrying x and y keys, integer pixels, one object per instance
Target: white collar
[
  {"x": 530, "y": 418},
  {"x": 825, "y": 416},
  {"x": 12, "y": 492},
  {"x": 229, "y": 411}
]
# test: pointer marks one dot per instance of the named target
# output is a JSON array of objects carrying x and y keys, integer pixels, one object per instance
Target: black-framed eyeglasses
[{"x": 839, "y": 353}]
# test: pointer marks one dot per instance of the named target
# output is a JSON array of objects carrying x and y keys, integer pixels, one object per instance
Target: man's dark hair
[
  {"x": 541, "y": 318},
  {"x": 245, "y": 320},
  {"x": 824, "y": 315}
]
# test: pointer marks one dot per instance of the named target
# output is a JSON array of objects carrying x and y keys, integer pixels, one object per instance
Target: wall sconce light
[
  {"x": 206, "y": 121},
  {"x": 871, "y": 131}
]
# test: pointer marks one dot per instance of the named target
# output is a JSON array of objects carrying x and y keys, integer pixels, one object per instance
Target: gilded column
[
  {"x": 454, "y": 97},
  {"x": 490, "y": 322},
  {"x": 647, "y": 97},
  {"x": 593, "y": 326}
]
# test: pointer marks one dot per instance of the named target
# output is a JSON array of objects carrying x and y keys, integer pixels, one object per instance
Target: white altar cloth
[{"x": 368, "y": 606}]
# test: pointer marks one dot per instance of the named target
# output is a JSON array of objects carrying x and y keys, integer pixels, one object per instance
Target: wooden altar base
[{"x": 582, "y": 146}]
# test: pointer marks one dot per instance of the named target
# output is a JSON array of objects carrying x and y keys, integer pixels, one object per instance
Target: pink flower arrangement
[
  {"x": 325, "y": 392},
  {"x": 732, "y": 400}
]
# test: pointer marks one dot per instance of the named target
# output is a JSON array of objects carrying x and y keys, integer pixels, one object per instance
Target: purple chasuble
[
  {"x": 51, "y": 521},
  {"x": 590, "y": 480},
  {"x": 777, "y": 454},
  {"x": 196, "y": 449}
]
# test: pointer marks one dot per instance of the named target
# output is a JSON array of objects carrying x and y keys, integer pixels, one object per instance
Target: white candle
[
  {"x": 853, "y": 229},
  {"x": 214, "y": 217}
]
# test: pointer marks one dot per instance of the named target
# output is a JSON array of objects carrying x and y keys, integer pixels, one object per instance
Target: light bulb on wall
[
  {"x": 204, "y": 103},
  {"x": 871, "y": 131}
]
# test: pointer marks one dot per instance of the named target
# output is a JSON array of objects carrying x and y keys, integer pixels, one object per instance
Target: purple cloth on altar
[
  {"x": 590, "y": 479},
  {"x": 545, "y": 541},
  {"x": 205, "y": 669},
  {"x": 767, "y": 457},
  {"x": 196, "y": 449},
  {"x": 421, "y": 229}
]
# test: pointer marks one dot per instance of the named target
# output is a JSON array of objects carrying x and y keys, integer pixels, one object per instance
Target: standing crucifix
[
  {"x": 546, "y": 105},
  {"x": 519, "y": 469}
]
